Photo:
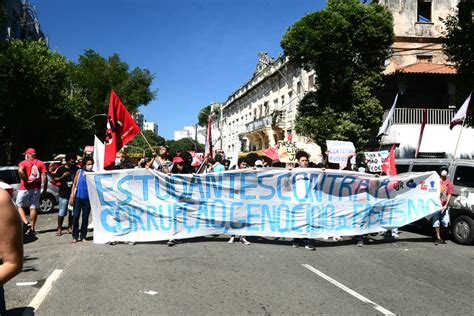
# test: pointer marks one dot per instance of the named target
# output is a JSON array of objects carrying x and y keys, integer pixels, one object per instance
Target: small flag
[
  {"x": 121, "y": 128},
  {"x": 388, "y": 166},
  {"x": 388, "y": 120},
  {"x": 423, "y": 123},
  {"x": 461, "y": 114}
]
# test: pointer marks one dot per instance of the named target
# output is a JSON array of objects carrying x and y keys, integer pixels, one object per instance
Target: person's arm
[
  {"x": 73, "y": 189},
  {"x": 44, "y": 179},
  {"x": 450, "y": 189},
  {"x": 11, "y": 239},
  {"x": 22, "y": 173},
  {"x": 60, "y": 176}
]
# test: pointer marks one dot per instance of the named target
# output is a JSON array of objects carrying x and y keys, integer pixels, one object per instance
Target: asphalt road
[{"x": 208, "y": 276}]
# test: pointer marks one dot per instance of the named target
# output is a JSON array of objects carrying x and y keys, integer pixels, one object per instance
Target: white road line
[
  {"x": 41, "y": 295},
  {"x": 348, "y": 290}
]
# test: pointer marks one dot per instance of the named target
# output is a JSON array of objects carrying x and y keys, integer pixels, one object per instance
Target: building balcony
[
  {"x": 277, "y": 118},
  {"x": 404, "y": 116}
]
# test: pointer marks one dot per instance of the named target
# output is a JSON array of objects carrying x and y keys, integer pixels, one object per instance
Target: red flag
[
  {"x": 121, "y": 128},
  {"x": 423, "y": 123},
  {"x": 388, "y": 166},
  {"x": 208, "y": 150}
]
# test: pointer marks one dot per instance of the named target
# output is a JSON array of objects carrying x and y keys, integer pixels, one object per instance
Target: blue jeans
[
  {"x": 84, "y": 206},
  {"x": 3, "y": 308}
]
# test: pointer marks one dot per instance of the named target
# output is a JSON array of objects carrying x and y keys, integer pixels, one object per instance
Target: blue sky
[{"x": 200, "y": 51}]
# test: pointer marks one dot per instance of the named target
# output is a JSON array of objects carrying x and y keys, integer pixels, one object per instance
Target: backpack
[{"x": 34, "y": 173}]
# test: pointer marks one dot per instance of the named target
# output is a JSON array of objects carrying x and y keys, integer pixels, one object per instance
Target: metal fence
[{"x": 415, "y": 116}]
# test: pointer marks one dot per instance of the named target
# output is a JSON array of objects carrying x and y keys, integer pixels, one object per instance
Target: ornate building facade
[{"x": 263, "y": 110}]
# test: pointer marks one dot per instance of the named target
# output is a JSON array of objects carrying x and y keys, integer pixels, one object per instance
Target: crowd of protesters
[{"x": 74, "y": 200}]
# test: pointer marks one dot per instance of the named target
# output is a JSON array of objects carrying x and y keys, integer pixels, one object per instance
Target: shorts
[
  {"x": 28, "y": 198},
  {"x": 440, "y": 218},
  {"x": 63, "y": 206}
]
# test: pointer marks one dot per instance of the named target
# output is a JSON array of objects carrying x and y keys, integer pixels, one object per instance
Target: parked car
[
  {"x": 47, "y": 202},
  {"x": 461, "y": 205}
]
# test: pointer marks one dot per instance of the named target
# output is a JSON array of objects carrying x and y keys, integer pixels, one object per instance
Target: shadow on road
[{"x": 23, "y": 311}]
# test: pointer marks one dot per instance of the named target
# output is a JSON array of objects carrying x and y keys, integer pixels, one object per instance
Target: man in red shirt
[
  {"x": 441, "y": 218},
  {"x": 32, "y": 173}
]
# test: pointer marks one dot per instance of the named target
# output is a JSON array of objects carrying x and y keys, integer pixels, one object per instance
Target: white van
[{"x": 461, "y": 206}]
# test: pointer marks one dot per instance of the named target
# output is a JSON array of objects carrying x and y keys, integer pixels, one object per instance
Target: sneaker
[
  {"x": 131, "y": 243},
  {"x": 244, "y": 241},
  {"x": 360, "y": 243},
  {"x": 231, "y": 240},
  {"x": 442, "y": 241},
  {"x": 310, "y": 247},
  {"x": 295, "y": 245},
  {"x": 438, "y": 241},
  {"x": 171, "y": 243},
  {"x": 396, "y": 236}
]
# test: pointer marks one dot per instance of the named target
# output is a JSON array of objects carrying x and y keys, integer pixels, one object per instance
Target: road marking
[
  {"x": 348, "y": 290},
  {"x": 48, "y": 285}
]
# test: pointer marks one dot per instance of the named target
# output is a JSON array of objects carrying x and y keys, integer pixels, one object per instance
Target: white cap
[{"x": 258, "y": 163}]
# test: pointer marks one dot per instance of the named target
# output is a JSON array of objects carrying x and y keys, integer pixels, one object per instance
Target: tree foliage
[
  {"x": 47, "y": 102},
  {"x": 458, "y": 45},
  {"x": 203, "y": 115},
  {"x": 346, "y": 45},
  {"x": 184, "y": 144},
  {"x": 36, "y": 107}
]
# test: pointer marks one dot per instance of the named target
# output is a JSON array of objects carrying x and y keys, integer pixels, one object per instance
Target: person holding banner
[
  {"x": 80, "y": 201},
  {"x": 441, "y": 218},
  {"x": 178, "y": 167},
  {"x": 303, "y": 161},
  {"x": 242, "y": 163},
  {"x": 161, "y": 162}
]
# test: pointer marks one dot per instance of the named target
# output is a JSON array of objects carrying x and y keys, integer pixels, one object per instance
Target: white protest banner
[
  {"x": 287, "y": 151},
  {"x": 375, "y": 159},
  {"x": 339, "y": 151},
  {"x": 146, "y": 205}
]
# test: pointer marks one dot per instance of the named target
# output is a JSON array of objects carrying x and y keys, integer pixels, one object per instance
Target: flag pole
[
  {"x": 146, "y": 140},
  {"x": 459, "y": 138}
]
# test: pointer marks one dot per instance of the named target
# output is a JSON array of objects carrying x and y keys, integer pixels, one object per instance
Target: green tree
[
  {"x": 346, "y": 45},
  {"x": 95, "y": 76},
  {"x": 37, "y": 109},
  {"x": 184, "y": 144},
  {"x": 203, "y": 115},
  {"x": 458, "y": 45},
  {"x": 47, "y": 101}
]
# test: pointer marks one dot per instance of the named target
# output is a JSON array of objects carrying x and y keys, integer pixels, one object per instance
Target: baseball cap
[
  {"x": 443, "y": 168},
  {"x": 30, "y": 151},
  {"x": 258, "y": 162},
  {"x": 177, "y": 160}
]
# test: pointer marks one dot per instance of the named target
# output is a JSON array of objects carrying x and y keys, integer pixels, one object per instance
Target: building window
[
  {"x": 298, "y": 87},
  {"x": 424, "y": 58},
  {"x": 290, "y": 94},
  {"x": 267, "y": 108},
  {"x": 424, "y": 11},
  {"x": 282, "y": 100},
  {"x": 311, "y": 82}
]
